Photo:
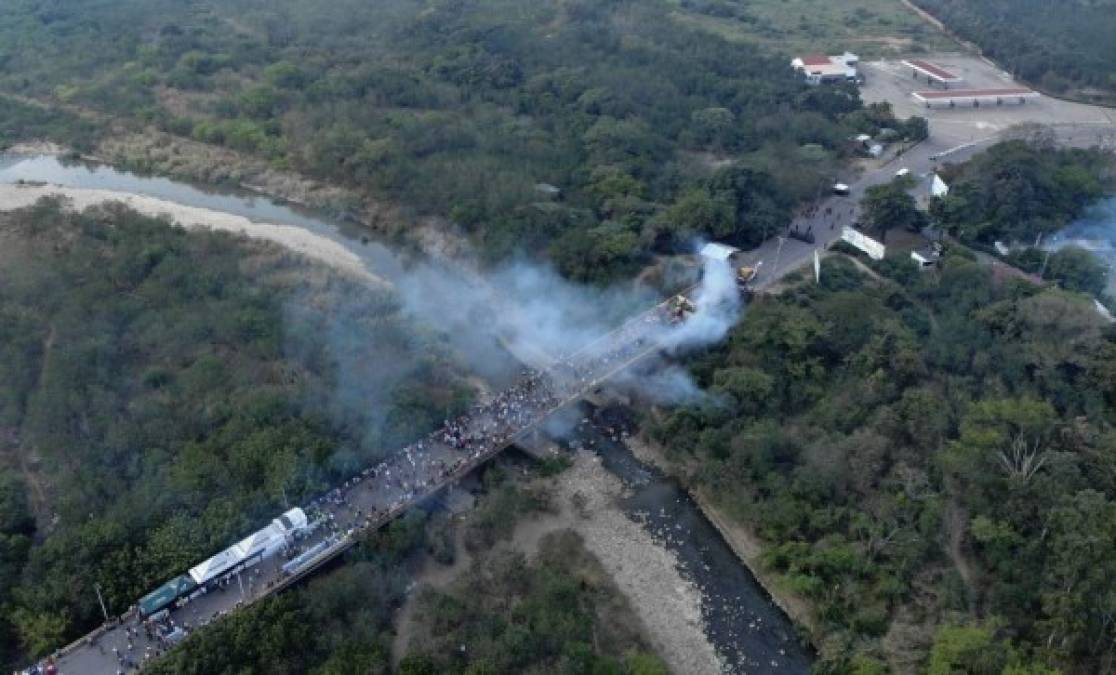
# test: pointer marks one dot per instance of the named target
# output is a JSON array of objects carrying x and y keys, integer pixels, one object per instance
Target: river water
[
  {"x": 76, "y": 174},
  {"x": 750, "y": 633}
]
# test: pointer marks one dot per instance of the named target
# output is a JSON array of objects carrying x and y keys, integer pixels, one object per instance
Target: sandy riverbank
[
  {"x": 668, "y": 605},
  {"x": 295, "y": 239}
]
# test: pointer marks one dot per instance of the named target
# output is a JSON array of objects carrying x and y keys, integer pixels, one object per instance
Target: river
[
  {"x": 86, "y": 175},
  {"x": 749, "y": 632}
]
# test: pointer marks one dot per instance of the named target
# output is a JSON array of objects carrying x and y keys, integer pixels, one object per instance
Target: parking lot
[{"x": 891, "y": 81}]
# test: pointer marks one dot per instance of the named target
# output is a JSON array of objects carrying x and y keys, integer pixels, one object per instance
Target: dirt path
[{"x": 955, "y": 521}]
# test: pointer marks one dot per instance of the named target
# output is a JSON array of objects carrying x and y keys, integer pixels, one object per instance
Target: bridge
[{"x": 380, "y": 493}]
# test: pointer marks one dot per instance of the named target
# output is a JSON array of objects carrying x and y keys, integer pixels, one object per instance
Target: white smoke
[
  {"x": 1096, "y": 233},
  {"x": 533, "y": 312},
  {"x": 523, "y": 312},
  {"x": 717, "y": 309}
]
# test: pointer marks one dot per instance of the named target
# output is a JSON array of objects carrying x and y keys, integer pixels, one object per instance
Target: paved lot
[
  {"x": 955, "y": 136},
  {"x": 890, "y": 81}
]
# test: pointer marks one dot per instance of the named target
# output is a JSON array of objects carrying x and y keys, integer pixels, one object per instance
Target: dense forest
[
  {"x": 163, "y": 392},
  {"x": 930, "y": 455},
  {"x": 1063, "y": 47},
  {"x": 470, "y": 111},
  {"x": 1020, "y": 190}
]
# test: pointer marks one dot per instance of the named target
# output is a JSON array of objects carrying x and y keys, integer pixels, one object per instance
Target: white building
[{"x": 819, "y": 68}]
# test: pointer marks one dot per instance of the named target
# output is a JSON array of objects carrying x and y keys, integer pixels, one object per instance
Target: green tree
[
  {"x": 1077, "y": 594},
  {"x": 890, "y": 206},
  {"x": 967, "y": 650},
  {"x": 1076, "y": 269}
]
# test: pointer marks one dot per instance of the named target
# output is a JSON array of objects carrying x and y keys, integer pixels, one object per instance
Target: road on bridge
[{"x": 378, "y": 494}]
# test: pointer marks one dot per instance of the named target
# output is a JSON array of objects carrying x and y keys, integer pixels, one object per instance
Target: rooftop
[
  {"x": 930, "y": 69},
  {"x": 974, "y": 93},
  {"x": 816, "y": 60},
  {"x": 718, "y": 251}
]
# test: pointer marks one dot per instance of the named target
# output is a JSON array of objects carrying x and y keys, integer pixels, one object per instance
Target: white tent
[{"x": 717, "y": 251}]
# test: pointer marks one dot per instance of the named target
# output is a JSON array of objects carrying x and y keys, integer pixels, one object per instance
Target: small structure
[
  {"x": 548, "y": 190},
  {"x": 1103, "y": 311},
  {"x": 819, "y": 68},
  {"x": 932, "y": 73},
  {"x": 718, "y": 251},
  {"x": 928, "y": 255},
  {"x": 938, "y": 187},
  {"x": 974, "y": 98},
  {"x": 863, "y": 242},
  {"x": 875, "y": 150}
]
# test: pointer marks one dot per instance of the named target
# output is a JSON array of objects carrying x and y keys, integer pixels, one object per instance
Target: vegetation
[
  {"x": 558, "y": 614},
  {"x": 164, "y": 392},
  {"x": 923, "y": 449},
  {"x": 890, "y": 206},
  {"x": 20, "y": 121},
  {"x": 462, "y": 109},
  {"x": 338, "y": 623},
  {"x": 930, "y": 450},
  {"x": 1071, "y": 267},
  {"x": 1065, "y": 48},
  {"x": 871, "y": 28},
  {"x": 1019, "y": 190}
]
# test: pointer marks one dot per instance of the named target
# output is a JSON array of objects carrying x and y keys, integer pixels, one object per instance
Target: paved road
[{"x": 835, "y": 212}]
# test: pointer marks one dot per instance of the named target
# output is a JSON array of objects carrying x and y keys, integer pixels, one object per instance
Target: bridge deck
[{"x": 372, "y": 499}]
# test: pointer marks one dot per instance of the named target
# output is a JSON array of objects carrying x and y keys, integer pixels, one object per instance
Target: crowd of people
[{"x": 378, "y": 493}]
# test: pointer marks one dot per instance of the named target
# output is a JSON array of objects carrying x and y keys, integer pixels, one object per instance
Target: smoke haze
[{"x": 390, "y": 342}]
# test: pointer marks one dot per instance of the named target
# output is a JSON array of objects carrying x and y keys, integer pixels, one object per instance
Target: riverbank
[
  {"x": 295, "y": 239},
  {"x": 585, "y": 499},
  {"x": 742, "y": 540}
]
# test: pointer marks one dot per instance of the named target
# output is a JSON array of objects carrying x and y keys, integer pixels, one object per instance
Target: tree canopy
[{"x": 169, "y": 391}]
